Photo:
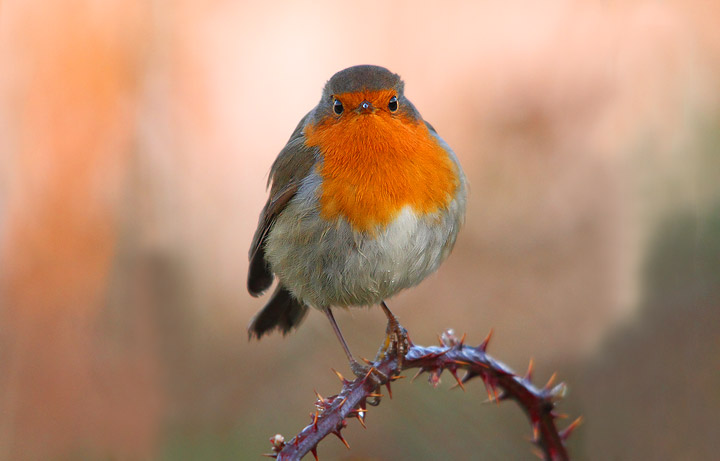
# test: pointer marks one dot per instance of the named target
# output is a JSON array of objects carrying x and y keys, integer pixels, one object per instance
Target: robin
[{"x": 366, "y": 200}]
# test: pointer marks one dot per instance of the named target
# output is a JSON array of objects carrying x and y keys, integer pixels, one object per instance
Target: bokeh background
[{"x": 135, "y": 142}]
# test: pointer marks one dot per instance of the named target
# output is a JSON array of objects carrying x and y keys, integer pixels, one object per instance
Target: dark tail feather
[
  {"x": 259, "y": 276},
  {"x": 283, "y": 312}
]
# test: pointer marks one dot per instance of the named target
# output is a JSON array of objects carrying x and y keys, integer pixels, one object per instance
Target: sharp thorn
[
  {"x": 462, "y": 340},
  {"x": 376, "y": 395},
  {"x": 483, "y": 346},
  {"x": 395, "y": 378},
  {"x": 314, "y": 452},
  {"x": 529, "y": 372},
  {"x": 342, "y": 439},
  {"x": 536, "y": 432},
  {"x": 420, "y": 371},
  {"x": 270, "y": 455},
  {"x": 439, "y": 338},
  {"x": 340, "y": 377},
  {"x": 490, "y": 394},
  {"x": 558, "y": 392},
  {"x": 319, "y": 397},
  {"x": 366, "y": 360},
  {"x": 565, "y": 433},
  {"x": 387, "y": 384},
  {"x": 360, "y": 415},
  {"x": 487, "y": 388},
  {"x": 459, "y": 382},
  {"x": 315, "y": 421},
  {"x": 558, "y": 415},
  {"x": 497, "y": 398},
  {"x": 551, "y": 380},
  {"x": 369, "y": 373}
]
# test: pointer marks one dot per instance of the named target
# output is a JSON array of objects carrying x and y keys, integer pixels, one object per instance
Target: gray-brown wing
[{"x": 291, "y": 166}]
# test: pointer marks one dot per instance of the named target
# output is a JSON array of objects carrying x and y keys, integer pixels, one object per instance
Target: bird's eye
[
  {"x": 337, "y": 107},
  {"x": 393, "y": 104}
]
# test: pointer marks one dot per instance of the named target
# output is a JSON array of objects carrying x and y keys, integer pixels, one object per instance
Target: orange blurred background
[{"x": 135, "y": 142}]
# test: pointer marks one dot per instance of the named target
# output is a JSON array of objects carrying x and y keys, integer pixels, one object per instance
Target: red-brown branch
[{"x": 501, "y": 384}]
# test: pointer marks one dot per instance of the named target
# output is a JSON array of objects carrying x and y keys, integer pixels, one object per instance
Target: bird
[{"x": 366, "y": 199}]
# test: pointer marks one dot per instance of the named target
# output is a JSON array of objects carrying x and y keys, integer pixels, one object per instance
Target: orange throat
[{"x": 376, "y": 164}]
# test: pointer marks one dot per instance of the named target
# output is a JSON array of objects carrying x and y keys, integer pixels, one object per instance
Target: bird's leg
[
  {"x": 361, "y": 371},
  {"x": 396, "y": 336}
]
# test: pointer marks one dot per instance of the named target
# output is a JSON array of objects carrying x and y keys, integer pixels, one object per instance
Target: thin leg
[
  {"x": 339, "y": 335},
  {"x": 359, "y": 370}
]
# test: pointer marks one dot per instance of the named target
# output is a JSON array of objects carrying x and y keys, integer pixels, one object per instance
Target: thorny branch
[{"x": 453, "y": 355}]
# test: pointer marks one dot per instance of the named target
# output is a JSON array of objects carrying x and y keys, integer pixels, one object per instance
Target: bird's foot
[
  {"x": 396, "y": 340},
  {"x": 372, "y": 375}
]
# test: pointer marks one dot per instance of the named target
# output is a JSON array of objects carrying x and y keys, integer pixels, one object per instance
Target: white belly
[{"x": 329, "y": 264}]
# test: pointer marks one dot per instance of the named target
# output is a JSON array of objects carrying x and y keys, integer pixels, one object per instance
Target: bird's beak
[{"x": 365, "y": 107}]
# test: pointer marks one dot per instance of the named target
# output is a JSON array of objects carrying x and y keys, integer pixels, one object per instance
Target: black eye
[
  {"x": 337, "y": 107},
  {"x": 393, "y": 104}
]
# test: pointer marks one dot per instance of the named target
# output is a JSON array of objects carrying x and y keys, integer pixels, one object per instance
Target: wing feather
[{"x": 286, "y": 175}]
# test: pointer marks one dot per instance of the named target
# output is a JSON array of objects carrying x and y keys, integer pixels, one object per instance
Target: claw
[{"x": 368, "y": 373}]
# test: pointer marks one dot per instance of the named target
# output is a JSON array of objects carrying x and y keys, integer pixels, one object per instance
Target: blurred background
[{"x": 135, "y": 142}]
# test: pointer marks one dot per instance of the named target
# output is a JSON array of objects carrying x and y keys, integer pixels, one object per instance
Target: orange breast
[{"x": 375, "y": 165}]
